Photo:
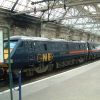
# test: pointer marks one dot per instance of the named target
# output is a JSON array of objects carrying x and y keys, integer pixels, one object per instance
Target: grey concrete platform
[{"x": 82, "y": 83}]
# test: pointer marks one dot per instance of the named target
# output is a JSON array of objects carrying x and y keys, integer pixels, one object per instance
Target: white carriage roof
[
  {"x": 29, "y": 38},
  {"x": 42, "y": 39},
  {"x": 81, "y": 14}
]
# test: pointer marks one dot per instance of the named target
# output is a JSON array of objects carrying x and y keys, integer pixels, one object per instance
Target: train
[{"x": 38, "y": 55}]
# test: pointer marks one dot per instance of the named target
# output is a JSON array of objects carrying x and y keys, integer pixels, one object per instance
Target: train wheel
[
  {"x": 41, "y": 68},
  {"x": 81, "y": 60},
  {"x": 28, "y": 72}
]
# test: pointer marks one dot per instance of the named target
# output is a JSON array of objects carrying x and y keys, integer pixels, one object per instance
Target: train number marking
[{"x": 45, "y": 57}]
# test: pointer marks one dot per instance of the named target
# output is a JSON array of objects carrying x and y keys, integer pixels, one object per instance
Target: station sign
[{"x": 1, "y": 47}]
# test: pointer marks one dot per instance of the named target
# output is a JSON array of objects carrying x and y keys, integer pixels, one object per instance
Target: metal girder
[
  {"x": 37, "y": 2},
  {"x": 97, "y": 16},
  {"x": 88, "y": 23},
  {"x": 91, "y": 27},
  {"x": 97, "y": 10},
  {"x": 60, "y": 19},
  {"x": 69, "y": 4},
  {"x": 45, "y": 8},
  {"x": 89, "y": 14},
  {"x": 12, "y": 9}
]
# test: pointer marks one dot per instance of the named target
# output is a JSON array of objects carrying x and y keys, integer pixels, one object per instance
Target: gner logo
[{"x": 45, "y": 57}]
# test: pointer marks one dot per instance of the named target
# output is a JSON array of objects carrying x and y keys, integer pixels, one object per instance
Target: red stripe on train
[
  {"x": 83, "y": 51},
  {"x": 94, "y": 50},
  {"x": 78, "y": 51}
]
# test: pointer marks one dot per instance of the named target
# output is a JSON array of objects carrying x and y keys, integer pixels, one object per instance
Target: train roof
[
  {"x": 61, "y": 40},
  {"x": 92, "y": 42},
  {"x": 28, "y": 38},
  {"x": 42, "y": 39}
]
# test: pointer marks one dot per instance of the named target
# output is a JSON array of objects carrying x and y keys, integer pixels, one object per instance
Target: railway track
[{"x": 5, "y": 85}]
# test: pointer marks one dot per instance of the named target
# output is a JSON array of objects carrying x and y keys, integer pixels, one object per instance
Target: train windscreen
[{"x": 12, "y": 44}]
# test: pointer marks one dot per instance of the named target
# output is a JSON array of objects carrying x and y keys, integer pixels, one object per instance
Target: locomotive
[{"x": 39, "y": 55}]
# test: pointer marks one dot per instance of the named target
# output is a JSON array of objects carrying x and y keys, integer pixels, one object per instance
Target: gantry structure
[{"x": 80, "y": 14}]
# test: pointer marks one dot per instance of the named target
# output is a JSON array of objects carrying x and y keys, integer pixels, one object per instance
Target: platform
[{"x": 82, "y": 83}]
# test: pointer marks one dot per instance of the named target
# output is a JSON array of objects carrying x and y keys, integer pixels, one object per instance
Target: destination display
[{"x": 1, "y": 47}]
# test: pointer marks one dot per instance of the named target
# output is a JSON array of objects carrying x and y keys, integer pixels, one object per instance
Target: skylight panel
[
  {"x": 24, "y": 2},
  {"x": 1, "y": 1},
  {"x": 90, "y": 8},
  {"x": 85, "y": 7},
  {"x": 6, "y": 4},
  {"x": 19, "y": 8},
  {"x": 55, "y": 14},
  {"x": 36, "y": 0},
  {"x": 65, "y": 22},
  {"x": 37, "y": 14},
  {"x": 79, "y": 26}
]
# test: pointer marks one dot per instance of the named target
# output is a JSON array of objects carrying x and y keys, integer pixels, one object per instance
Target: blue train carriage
[
  {"x": 94, "y": 50},
  {"x": 28, "y": 54},
  {"x": 36, "y": 54},
  {"x": 60, "y": 51},
  {"x": 78, "y": 51}
]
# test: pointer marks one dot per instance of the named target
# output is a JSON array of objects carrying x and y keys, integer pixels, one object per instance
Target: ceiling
[{"x": 81, "y": 14}]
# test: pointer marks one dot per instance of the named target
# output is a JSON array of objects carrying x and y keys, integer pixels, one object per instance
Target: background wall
[{"x": 31, "y": 26}]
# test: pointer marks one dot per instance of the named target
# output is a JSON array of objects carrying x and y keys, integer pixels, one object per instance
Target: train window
[
  {"x": 62, "y": 46},
  {"x": 97, "y": 46},
  {"x": 28, "y": 44},
  {"x": 93, "y": 46},
  {"x": 45, "y": 47},
  {"x": 70, "y": 46},
  {"x": 74, "y": 46},
  {"x": 33, "y": 44},
  {"x": 85, "y": 46},
  {"x": 81, "y": 46},
  {"x": 12, "y": 44},
  {"x": 67, "y": 46},
  {"x": 21, "y": 44},
  {"x": 77, "y": 47},
  {"x": 57, "y": 46},
  {"x": 50, "y": 46},
  {"x": 39, "y": 46}
]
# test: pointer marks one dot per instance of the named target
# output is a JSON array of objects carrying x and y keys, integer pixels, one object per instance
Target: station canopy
[{"x": 81, "y": 14}]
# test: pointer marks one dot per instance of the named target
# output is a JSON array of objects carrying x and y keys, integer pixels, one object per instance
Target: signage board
[{"x": 1, "y": 47}]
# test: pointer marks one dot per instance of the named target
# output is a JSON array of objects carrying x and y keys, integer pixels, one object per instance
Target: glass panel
[{"x": 12, "y": 44}]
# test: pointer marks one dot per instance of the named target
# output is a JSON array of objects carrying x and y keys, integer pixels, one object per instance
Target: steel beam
[
  {"x": 44, "y": 8},
  {"x": 12, "y": 9},
  {"x": 90, "y": 28},
  {"x": 97, "y": 16},
  {"x": 88, "y": 23}
]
